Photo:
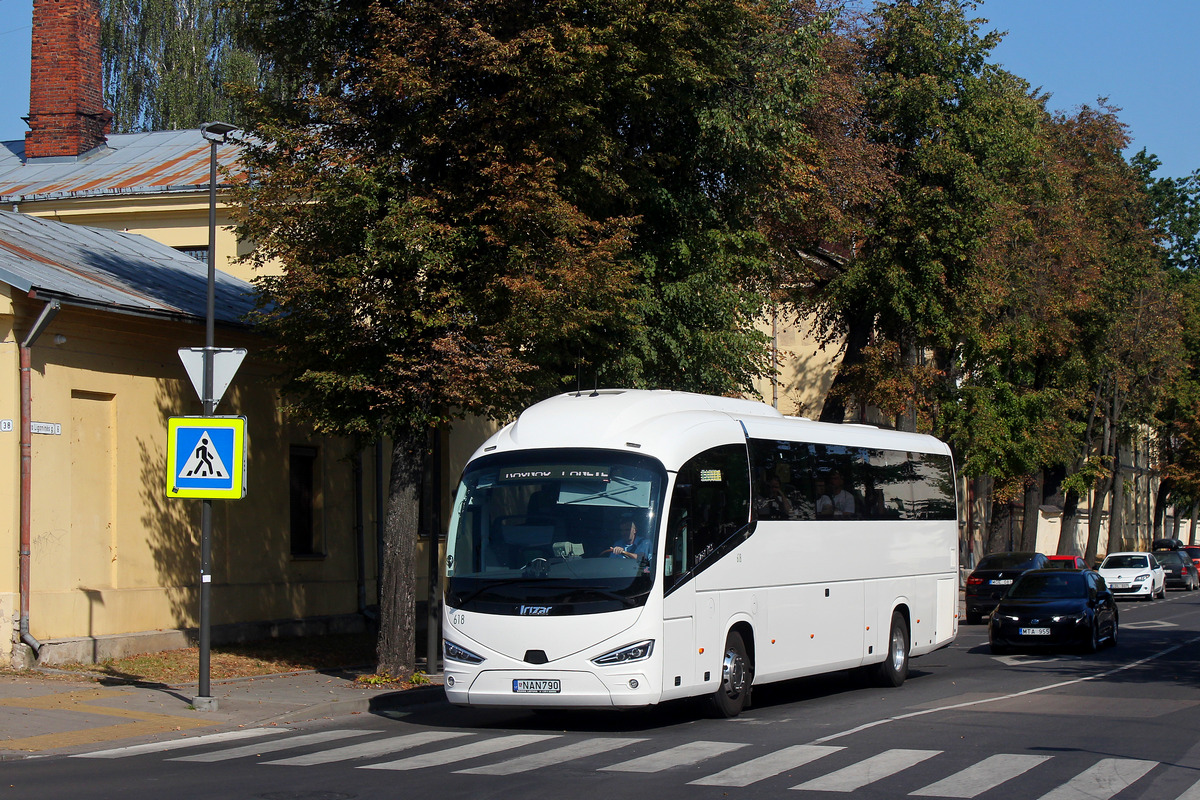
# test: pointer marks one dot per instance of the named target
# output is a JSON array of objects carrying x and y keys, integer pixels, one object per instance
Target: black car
[
  {"x": 1179, "y": 569},
  {"x": 1166, "y": 544},
  {"x": 992, "y": 576},
  {"x": 1055, "y": 608}
]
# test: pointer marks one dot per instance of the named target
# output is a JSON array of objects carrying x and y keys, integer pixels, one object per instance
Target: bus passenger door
[{"x": 678, "y": 645}]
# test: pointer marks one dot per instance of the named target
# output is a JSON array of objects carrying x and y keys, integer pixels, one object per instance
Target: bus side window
[{"x": 710, "y": 503}]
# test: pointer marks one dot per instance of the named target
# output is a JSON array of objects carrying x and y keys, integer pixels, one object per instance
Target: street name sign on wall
[{"x": 206, "y": 457}]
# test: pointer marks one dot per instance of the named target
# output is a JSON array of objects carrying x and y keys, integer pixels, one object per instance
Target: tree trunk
[
  {"x": 1116, "y": 515},
  {"x": 1000, "y": 531},
  {"x": 1195, "y": 514},
  {"x": 1068, "y": 544},
  {"x": 1031, "y": 515},
  {"x": 397, "y": 644},
  {"x": 1099, "y": 496},
  {"x": 979, "y": 526},
  {"x": 1161, "y": 498},
  {"x": 858, "y": 335}
]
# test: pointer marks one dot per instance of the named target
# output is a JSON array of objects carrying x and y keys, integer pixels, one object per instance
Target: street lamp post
[{"x": 215, "y": 133}]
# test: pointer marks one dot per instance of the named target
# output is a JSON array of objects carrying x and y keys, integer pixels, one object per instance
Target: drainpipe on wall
[{"x": 49, "y": 311}]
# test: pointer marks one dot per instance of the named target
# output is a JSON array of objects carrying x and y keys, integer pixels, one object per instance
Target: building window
[
  {"x": 198, "y": 253},
  {"x": 302, "y": 471}
]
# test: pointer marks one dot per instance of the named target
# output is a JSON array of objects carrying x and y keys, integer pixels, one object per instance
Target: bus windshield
[{"x": 553, "y": 532}]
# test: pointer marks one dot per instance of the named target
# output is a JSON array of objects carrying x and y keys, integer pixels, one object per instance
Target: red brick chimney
[{"x": 66, "y": 105}]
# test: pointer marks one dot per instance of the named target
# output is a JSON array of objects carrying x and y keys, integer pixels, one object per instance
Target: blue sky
[{"x": 1142, "y": 56}]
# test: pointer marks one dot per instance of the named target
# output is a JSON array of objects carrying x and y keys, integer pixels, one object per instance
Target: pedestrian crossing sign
[{"x": 206, "y": 457}]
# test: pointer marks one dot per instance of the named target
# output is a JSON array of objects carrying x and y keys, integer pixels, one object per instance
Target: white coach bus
[{"x": 622, "y": 547}]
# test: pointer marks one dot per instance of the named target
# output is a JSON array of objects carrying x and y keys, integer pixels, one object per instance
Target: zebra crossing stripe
[
  {"x": 379, "y": 747},
  {"x": 683, "y": 755},
  {"x": 978, "y": 778},
  {"x": 550, "y": 758},
  {"x": 768, "y": 766},
  {"x": 872, "y": 769},
  {"x": 273, "y": 746},
  {"x": 176, "y": 744},
  {"x": 463, "y": 752},
  {"x": 1108, "y": 777}
]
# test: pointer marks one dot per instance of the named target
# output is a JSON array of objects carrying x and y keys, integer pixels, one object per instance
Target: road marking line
[
  {"x": 681, "y": 756},
  {"x": 550, "y": 758},
  {"x": 176, "y": 744},
  {"x": 462, "y": 753},
  {"x": 875, "y": 768},
  {"x": 768, "y": 766},
  {"x": 1105, "y": 779},
  {"x": 380, "y": 747},
  {"x": 1036, "y": 690},
  {"x": 271, "y": 747},
  {"x": 978, "y": 778}
]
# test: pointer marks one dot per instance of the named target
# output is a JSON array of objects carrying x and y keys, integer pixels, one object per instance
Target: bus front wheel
[
  {"x": 894, "y": 668},
  {"x": 732, "y": 695}
]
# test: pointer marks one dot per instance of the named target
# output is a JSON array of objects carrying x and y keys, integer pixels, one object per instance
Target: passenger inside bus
[
  {"x": 776, "y": 505},
  {"x": 839, "y": 503}
]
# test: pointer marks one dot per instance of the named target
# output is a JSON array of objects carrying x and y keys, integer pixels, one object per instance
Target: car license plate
[
  {"x": 1119, "y": 584},
  {"x": 1005, "y": 582},
  {"x": 1034, "y": 631},
  {"x": 537, "y": 685}
]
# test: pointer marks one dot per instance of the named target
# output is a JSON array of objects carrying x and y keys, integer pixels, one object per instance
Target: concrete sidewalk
[{"x": 43, "y": 713}]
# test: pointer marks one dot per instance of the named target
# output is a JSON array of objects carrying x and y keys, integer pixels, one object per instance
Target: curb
[{"x": 390, "y": 701}]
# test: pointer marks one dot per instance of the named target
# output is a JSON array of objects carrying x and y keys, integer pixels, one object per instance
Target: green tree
[
  {"x": 1175, "y": 212},
  {"x": 168, "y": 63},
  {"x": 959, "y": 129},
  {"x": 474, "y": 202},
  {"x": 1174, "y": 209}
]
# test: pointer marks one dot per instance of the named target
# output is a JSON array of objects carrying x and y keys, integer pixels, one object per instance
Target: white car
[{"x": 1134, "y": 575}]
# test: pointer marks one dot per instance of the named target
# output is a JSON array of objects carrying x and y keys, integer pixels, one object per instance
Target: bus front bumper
[{"x": 543, "y": 688}]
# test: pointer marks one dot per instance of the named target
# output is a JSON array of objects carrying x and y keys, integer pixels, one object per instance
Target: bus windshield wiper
[
  {"x": 510, "y": 582},
  {"x": 629, "y": 602},
  {"x": 557, "y": 583}
]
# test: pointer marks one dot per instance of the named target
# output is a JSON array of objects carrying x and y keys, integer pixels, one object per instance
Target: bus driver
[{"x": 629, "y": 545}]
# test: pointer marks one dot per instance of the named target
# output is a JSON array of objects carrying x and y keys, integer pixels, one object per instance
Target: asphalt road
[{"x": 1123, "y": 723}]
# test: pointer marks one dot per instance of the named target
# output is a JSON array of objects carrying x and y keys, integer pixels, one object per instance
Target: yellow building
[{"x": 107, "y": 562}]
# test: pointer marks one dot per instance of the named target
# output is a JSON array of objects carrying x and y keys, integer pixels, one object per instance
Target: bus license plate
[
  {"x": 1034, "y": 631},
  {"x": 537, "y": 685}
]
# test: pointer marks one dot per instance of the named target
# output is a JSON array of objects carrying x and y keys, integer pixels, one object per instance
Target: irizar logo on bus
[{"x": 534, "y": 611}]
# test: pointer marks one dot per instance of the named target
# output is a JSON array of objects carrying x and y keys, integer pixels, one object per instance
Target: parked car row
[{"x": 1038, "y": 601}]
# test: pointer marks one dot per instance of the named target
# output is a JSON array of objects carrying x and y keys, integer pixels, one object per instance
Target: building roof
[
  {"x": 112, "y": 271},
  {"x": 130, "y": 164}
]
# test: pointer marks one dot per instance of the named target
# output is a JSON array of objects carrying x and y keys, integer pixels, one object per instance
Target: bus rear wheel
[
  {"x": 894, "y": 668},
  {"x": 733, "y": 694}
]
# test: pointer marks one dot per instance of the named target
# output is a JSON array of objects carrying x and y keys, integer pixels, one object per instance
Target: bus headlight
[
  {"x": 452, "y": 652},
  {"x": 624, "y": 655}
]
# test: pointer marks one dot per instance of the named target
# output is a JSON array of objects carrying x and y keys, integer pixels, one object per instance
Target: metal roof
[
  {"x": 113, "y": 271},
  {"x": 130, "y": 164}
]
